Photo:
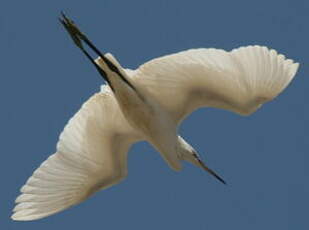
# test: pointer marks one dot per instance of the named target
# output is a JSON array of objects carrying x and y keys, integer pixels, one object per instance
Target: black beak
[
  {"x": 203, "y": 165},
  {"x": 212, "y": 173}
]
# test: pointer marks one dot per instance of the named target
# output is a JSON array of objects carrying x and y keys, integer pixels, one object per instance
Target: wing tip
[
  {"x": 31, "y": 213},
  {"x": 22, "y": 215},
  {"x": 18, "y": 216},
  {"x": 295, "y": 67}
]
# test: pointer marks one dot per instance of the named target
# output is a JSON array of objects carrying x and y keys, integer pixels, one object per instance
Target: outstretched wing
[
  {"x": 240, "y": 80},
  {"x": 91, "y": 155}
]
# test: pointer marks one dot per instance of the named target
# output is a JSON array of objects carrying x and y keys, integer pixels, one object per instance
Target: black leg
[
  {"x": 78, "y": 36},
  {"x": 72, "y": 32}
]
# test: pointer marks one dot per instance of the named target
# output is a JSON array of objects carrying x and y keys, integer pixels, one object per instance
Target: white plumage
[
  {"x": 92, "y": 150},
  {"x": 91, "y": 153},
  {"x": 240, "y": 80}
]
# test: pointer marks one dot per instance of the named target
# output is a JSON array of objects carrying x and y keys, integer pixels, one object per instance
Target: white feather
[
  {"x": 240, "y": 80},
  {"x": 91, "y": 155},
  {"x": 91, "y": 152}
]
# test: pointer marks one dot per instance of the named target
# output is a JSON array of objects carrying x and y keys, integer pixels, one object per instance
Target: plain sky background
[{"x": 44, "y": 79}]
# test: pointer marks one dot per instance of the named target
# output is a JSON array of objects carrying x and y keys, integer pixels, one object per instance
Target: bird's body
[
  {"x": 145, "y": 115},
  {"x": 147, "y": 104}
]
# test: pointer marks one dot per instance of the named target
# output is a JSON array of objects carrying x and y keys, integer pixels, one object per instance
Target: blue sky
[{"x": 45, "y": 79}]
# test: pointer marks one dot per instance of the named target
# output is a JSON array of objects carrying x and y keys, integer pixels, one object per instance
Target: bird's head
[{"x": 188, "y": 153}]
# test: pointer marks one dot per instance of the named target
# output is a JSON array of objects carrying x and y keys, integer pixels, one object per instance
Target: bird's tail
[
  {"x": 114, "y": 70},
  {"x": 102, "y": 63}
]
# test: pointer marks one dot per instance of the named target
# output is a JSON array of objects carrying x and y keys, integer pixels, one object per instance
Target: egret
[{"x": 146, "y": 104}]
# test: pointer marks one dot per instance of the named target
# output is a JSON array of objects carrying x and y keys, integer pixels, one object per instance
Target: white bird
[{"x": 146, "y": 104}]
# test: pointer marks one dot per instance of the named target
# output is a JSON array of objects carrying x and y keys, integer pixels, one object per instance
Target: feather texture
[
  {"x": 92, "y": 149},
  {"x": 91, "y": 155},
  {"x": 240, "y": 80}
]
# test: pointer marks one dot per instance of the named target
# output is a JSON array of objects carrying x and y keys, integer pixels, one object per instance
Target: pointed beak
[
  {"x": 203, "y": 165},
  {"x": 212, "y": 172}
]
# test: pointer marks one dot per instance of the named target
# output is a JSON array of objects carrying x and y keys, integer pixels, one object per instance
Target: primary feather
[
  {"x": 91, "y": 155},
  {"x": 240, "y": 80},
  {"x": 92, "y": 150}
]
